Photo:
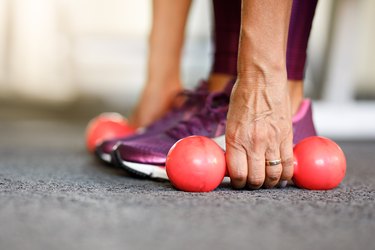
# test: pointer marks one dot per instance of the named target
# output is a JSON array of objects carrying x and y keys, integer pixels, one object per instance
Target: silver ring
[{"x": 273, "y": 162}]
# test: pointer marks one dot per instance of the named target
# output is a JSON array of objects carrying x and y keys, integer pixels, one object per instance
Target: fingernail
[{"x": 283, "y": 184}]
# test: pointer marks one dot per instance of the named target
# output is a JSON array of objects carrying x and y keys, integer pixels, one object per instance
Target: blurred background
[{"x": 71, "y": 59}]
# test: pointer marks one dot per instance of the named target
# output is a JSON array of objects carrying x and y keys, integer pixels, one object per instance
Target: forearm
[{"x": 263, "y": 38}]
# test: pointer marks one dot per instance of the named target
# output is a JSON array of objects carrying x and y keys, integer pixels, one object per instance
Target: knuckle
[
  {"x": 238, "y": 177},
  {"x": 259, "y": 137},
  {"x": 273, "y": 174},
  {"x": 288, "y": 167},
  {"x": 255, "y": 181},
  {"x": 288, "y": 162},
  {"x": 287, "y": 173},
  {"x": 231, "y": 135},
  {"x": 234, "y": 141},
  {"x": 273, "y": 178}
]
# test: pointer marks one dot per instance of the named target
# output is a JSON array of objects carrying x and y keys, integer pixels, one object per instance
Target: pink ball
[{"x": 196, "y": 164}]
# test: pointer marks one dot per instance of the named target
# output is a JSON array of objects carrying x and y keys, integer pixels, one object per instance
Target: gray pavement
[{"x": 53, "y": 195}]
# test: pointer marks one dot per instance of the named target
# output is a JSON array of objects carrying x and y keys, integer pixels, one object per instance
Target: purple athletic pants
[{"x": 227, "y": 22}]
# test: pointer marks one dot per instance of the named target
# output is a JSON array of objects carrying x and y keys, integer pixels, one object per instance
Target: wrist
[
  {"x": 262, "y": 75},
  {"x": 256, "y": 57}
]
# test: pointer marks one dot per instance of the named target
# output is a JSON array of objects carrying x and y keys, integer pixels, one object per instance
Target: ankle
[
  {"x": 295, "y": 94},
  {"x": 218, "y": 81},
  {"x": 156, "y": 99},
  {"x": 156, "y": 80}
]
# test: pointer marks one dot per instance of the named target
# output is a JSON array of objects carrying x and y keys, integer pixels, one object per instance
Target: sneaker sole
[
  {"x": 145, "y": 170},
  {"x": 104, "y": 157},
  {"x": 152, "y": 171},
  {"x": 139, "y": 169}
]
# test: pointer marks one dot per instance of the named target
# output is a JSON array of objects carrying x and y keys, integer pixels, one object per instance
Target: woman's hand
[
  {"x": 259, "y": 125},
  {"x": 259, "y": 129}
]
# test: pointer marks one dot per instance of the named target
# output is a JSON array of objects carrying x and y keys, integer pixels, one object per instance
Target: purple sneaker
[
  {"x": 146, "y": 157},
  {"x": 303, "y": 124},
  {"x": 193, "y": 104}
]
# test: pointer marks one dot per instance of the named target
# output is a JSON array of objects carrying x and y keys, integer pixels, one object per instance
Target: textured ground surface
[{"x": 53, "y": 195}]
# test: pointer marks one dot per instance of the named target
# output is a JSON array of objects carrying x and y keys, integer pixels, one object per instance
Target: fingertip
[
  {"x": 288, "y": 168},
  {"x": 236, "y": 167},
  {"x": 237, "y": 184},
  {"x": 255, "y": 181},
  {"x": 286, "y": 152}
]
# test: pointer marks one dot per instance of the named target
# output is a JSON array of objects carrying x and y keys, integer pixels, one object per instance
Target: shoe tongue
[
  {"x": 202, "y": 86},
  {"x": 221, "y": 99},
  {"x": 218, "y": 101}
]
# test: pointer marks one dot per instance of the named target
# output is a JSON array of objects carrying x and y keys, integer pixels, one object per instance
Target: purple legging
[
  {"x": 226, "y": 34},
  {"x": 299, "y": 32},
  {"x": 227, "y": 22}
]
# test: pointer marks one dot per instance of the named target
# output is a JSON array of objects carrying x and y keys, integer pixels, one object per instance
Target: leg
[
  {"x": 227, "y": 22},
  {"x": 227, "y": 16},
  {"x": 165, "y": 45},
  {"x": 166, "y": 41},
  {"x": 299, "y": 31}
]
